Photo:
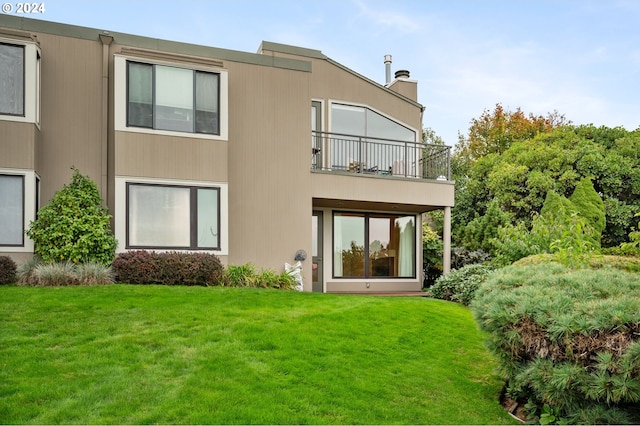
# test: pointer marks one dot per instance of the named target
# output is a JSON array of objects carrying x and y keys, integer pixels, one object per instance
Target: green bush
[
  {"x": 247, "y": 276},
  {"x": 566, "y": 338},
  {"x": 167, "y": 268},
  {"x": 7, "y": 270},
  {"x": 461, "y": 284},
  {"x": 36, "y": 273},
  {"x": 74, "y": 226}
]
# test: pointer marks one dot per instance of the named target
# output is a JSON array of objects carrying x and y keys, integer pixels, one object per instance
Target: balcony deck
[{"x": 361, "y": 155}]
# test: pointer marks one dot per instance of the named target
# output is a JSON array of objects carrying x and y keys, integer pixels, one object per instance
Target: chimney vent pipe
[
  {"x": 402, "y": 74},
  {"x": 387, "y": 67}
]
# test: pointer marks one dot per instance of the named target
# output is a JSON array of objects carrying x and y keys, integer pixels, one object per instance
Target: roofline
[
  {"x": 317, "y": 54},
  {"x": 86, "y": 33}
]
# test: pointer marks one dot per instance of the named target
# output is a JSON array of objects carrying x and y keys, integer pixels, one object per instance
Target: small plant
[
  {"x": 93, "y": 274},
  {"x": 55, "y": 274},
  {"x": 239, "y": 276},
  {"x": 247, "y": 276},
  {"x": 461, "y": 284},
  {"x": 7, "y": 270}
]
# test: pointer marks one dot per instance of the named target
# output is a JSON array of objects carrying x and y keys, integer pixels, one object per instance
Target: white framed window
[
  {"x": 171, "y": 215},
  {"x": 170, "y": 99},
  {"x": 19, "y": 81},
  {"x": 19, "y": 201}
]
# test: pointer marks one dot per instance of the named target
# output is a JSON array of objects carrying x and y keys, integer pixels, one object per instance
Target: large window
[
  {"x": 368, "y": 245},
  {"x": 11, "y": 210},
  {"x": 180, "y": 217},
  {"x": 11, "y": 79},
  {"x": 176, "y": 99},
  {"x": 361, "y": 121}
]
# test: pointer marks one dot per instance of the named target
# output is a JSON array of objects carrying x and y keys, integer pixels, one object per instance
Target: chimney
[
  {"x": 402, "y": 74},
  {"x": 387, "y": 67}
]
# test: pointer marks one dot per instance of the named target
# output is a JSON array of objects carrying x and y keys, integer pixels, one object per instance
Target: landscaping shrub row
[
  {"x": 167, "y": 268},
  {"x": 567, "y": 340}
]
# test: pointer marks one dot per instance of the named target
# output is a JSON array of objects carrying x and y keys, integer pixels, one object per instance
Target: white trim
[
  {"x": 120, "y": 99},
  {"x": 120, "y": 212},
  {"x": 31, "y": 83},
  {"x": 29, "y": 208}
]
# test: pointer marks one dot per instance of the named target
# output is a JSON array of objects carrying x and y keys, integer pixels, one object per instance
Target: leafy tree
[
  {"x": 520, "y": 177},
  {"x": 496, "y": 131},
  {"x": 74, "y": 226}
]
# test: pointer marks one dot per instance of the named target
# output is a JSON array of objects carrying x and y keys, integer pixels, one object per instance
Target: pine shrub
[
  {"x": 568, "y": 339},
  {"x": 7, "y": 270}
]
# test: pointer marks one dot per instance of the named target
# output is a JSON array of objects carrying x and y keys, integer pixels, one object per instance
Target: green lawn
[{"x": 182, "y": 355}]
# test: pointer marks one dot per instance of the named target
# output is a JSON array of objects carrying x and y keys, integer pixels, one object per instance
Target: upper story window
[
  {"x": 175, "y": 99},
  {"x": 11, "y": 79},
  {"x": 19, "y": 82},
  {"x": 363, "y": 121}
]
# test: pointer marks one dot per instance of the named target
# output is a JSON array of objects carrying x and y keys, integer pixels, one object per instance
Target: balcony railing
[{"x": 375, "y": 156}]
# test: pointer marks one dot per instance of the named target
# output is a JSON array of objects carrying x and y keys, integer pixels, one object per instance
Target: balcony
[{"x": 341, "y": 153}]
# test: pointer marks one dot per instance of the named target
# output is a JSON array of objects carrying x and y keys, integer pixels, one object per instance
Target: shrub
[
  {"x": 566, "y": 338},
  {"x": 7, "y": 270},
  {"x": 167, "y": 268},
  {"x": 36, "y": 273},
  {"x": 461, "y": 284},
  {"x": 461, "y": 256},
  {"x": 74, "y": 227},
  {"x": 93, "y": 274},
  {"x": 247, "y": 276},
  {"x": 595, "y": 261}
]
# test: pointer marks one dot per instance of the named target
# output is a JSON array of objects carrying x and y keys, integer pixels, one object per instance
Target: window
[
  {"x": 11, "y": 210},
  {"x": 176, "y": 99},
  {"x": 361, "y": 121},
  {"x": 368, "y": 245},
  {"x": 177, "y": 217},
  {"x": 11, "y": 79}
]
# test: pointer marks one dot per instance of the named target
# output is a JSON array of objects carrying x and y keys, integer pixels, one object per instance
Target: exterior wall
[
  {"x": 261, "y": 161},
  {"x": 269, "y": 162},
  {"x": 19, "y": 145},
  {"x": 71, "y": 96}
]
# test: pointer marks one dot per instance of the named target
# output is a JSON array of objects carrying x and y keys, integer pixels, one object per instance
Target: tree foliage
[
  {"x": 74, "y": 226},
  {"x": 519, "y": 173}
]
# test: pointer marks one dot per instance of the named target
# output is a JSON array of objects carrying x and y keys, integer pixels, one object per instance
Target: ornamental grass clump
[{"x": 568, "y": 339}]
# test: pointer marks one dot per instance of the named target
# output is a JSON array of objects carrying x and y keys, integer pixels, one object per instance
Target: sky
[{"x": 580, "y": 58}]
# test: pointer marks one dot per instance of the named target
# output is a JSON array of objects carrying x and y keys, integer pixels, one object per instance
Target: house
[{"x": 267, "y": 157}]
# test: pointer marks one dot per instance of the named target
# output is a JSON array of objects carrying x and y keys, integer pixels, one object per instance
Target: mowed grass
[{"x": 126, "y": 354}]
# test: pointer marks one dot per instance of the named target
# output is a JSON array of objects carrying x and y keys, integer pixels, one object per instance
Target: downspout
[{"x": 106, "y": 40}]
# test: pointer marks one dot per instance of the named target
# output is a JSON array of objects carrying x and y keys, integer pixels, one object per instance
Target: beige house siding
[{"x": 261, "y": 161}]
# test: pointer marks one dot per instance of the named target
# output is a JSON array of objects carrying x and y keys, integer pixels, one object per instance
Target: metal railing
[{"x": 375, "y": 156}]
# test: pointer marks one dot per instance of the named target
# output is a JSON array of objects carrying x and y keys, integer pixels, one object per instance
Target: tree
[
  {"x": 74, "y": 226},
  {"x": 495, "y": 132},
  {"x": 590, "y": 206},
  {"x": 520, "y": 178}
]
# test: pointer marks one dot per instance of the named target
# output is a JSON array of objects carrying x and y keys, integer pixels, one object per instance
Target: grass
[{"x": 125, "y": 354}]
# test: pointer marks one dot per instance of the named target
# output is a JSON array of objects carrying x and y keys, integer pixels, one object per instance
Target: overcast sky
[{"x": 579, "y": 57}]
